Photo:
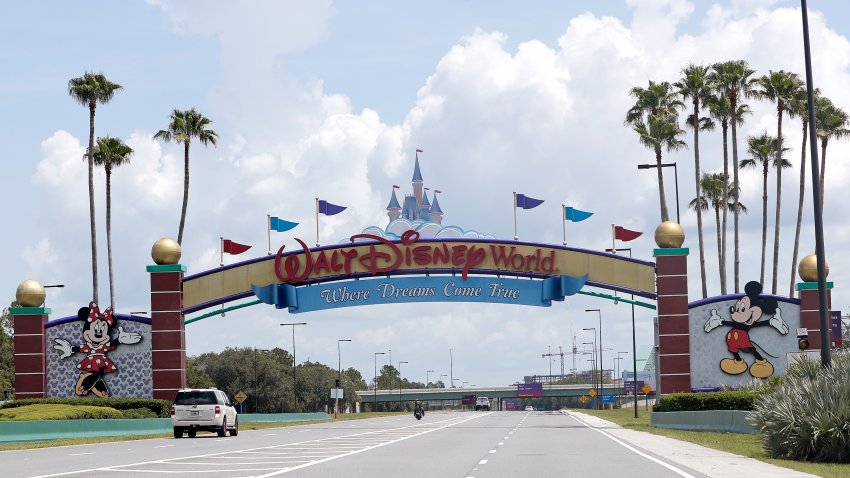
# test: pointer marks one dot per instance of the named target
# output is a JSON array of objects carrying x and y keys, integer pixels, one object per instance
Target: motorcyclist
[{"x": 418, "y": 408}]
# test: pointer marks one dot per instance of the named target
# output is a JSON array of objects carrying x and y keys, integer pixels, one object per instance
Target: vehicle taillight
[
  {"x": 172, "y": 410},
  {"x": 217, "y": 410}
]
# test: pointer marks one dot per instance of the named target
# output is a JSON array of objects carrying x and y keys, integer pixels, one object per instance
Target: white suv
[
  {"x": 482, "y": 403},
  {"x": 204, "y": 409}
]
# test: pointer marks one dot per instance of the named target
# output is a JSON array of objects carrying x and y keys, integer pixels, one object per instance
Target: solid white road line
[{"x": 670, "y": 467}]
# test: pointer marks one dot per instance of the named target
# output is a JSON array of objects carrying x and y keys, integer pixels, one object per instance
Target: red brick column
[
  {"x": 168, "y": 342},
  {"x": 674, "y": 347},
  {"x": 809, "y": 310},
  {"x": 28, "y": 327}
]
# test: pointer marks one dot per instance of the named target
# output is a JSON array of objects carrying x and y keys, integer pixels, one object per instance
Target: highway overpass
[{"x": 406, "y": 394}]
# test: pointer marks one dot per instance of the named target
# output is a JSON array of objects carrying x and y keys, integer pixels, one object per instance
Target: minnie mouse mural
[
  {"x": 745, "y": 315},
  {"x": 97, "y": 328}
]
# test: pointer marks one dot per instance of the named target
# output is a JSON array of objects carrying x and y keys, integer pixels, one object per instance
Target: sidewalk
[{"x": 711, "y": 462}]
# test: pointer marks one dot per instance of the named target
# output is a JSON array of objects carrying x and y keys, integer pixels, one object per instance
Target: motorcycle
[{"x": 418, "y": 413}]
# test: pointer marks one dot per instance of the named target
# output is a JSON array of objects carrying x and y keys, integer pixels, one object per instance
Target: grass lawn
[
  {"x": 737, "y": 443},
  {"x": 242, "y": 426}
]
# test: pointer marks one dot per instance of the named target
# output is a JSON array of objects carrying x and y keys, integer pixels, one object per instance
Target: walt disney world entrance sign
[{"x": 373, "y": 270}]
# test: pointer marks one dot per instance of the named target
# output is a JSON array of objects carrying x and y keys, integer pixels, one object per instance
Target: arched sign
[{"x": 414, "y": 270}]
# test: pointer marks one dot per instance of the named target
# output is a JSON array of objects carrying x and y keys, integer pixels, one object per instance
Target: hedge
[
  {"x": 726, "y": 400},
  {"x": 131, "y": 406}
]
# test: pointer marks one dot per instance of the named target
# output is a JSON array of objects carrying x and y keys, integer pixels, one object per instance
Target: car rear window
[{"x": 195, "y": 398}]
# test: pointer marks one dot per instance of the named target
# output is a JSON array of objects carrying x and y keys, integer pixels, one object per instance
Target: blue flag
[
  {"x": 526, "y": 202},
  {"x": 575, "y": 215},
  {"x": 279, "y": 225},
  {"x": 329, "y": 209}
]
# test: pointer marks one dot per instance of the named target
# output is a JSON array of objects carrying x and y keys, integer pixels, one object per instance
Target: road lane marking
[
  {"x": 501, "y": 443},
  {"x": 81, "y": 454},
  {"x": 670, "y": 467},
  {"x": 492, "y": 451},
  {"x": 161, "y": 446},
  {"x": 482, "y": 462}
]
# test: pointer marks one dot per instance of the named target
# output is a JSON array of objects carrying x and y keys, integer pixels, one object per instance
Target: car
[
  {"x": 482, "y": 403},
  {"x": 529, "y": 408},
  {"x": 207, "y": 409}
]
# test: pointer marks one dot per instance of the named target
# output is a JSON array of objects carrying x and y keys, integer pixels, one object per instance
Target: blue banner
[
  {"x": 333, "y": 295},
  {"x": 576, "y": 215},
  {"x": 280, "y": 225},
  {"x": 527, "y": 202}
]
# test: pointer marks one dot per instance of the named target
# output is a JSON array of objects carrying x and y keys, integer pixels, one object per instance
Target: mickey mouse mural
[
  {"x": 745, "y": 315},
  {"x": 97, "y": 330}
]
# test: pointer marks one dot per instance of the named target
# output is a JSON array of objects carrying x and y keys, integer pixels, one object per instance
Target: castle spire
[
  {"x": 417, "y": 175},
  {"x": 393, "y": 208}
]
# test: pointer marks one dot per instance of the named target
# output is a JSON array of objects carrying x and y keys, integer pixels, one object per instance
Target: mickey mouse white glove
[
  {"x": 128, "y": 337},
  {"x": 777, "y": 323},
  {"x": 713, "y": 322},
  {"x": 64, "y": 347}
]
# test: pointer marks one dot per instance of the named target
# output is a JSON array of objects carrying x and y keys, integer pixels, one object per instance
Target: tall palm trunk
[
  {"x": 699, "y": 194},
  {"x": 733, "y": 102},
  {"x": 799, "y": 209},
  {"x": 719, "y": 249},
  {"x": 185, "y": 190},
  {"x": 763, "y": 218},
  {"x": 109, "y": 233},
  {"x": 661, "y": 195},
  {"x": 90, "y": 159},
  {"x": 823, "y": 142},
  {"x": 725, "y": 207},
  {"x": 778, "y": 195}
]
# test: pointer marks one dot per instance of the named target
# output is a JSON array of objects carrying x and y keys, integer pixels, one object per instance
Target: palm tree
[
  {"x": 715, "y": 194},
  {"x": 110, "y": 153},
  {"x": 89, "y": 90},
  {"x": 801, "y": 107},
  {"x": 653, "y": 117},
  {"x": 763, "y": 149},
  {"x": 694, "y": 87},
  {"x": 718, "y": 107},
  {"x": 782, "y": 88},
  {"x": 830, "y": 122},
  {"x": 184, "y": 126},
  {"x": 734, "y": 79}
]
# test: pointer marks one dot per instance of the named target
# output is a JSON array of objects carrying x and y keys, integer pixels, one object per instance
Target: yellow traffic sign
[
  {"x": 646, "y": 388},
  {"x": 592, "y": 392},
  {"x": 583, "y": 399},
  {"x": 240, "y": 396}
]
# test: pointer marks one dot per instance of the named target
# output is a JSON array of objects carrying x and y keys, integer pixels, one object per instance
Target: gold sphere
[
  {"x": 30, "y": 294},
  {"x": 669, "y": 234},
  {"x": 166, "y": 251},
  {"x": 808, "y": 268}
]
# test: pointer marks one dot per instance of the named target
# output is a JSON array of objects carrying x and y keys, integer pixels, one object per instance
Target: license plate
[{"x": 194, "y": 413}]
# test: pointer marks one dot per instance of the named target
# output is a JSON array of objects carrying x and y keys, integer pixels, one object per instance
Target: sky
[{"x": 331, "y": 99}]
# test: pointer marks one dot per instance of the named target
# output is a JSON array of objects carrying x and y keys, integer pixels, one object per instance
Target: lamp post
[
  {"x": 441, "y": 378},
  {"x": 339, "y": 368},
  {"x": 294, "y": 381},
  {"x": 600, "y": 362},
  {"x": 593, "y": 363},
  {"x": 255, "y": 376},
  {"x": 400, "y": 383},
  {"x": 427, "y": 374},
  {"x": 57, "y": 286},
  {"x": 375, "y": 402},
  {"x": 675, "y": 172},
  {"x": 634, "y": 342}
]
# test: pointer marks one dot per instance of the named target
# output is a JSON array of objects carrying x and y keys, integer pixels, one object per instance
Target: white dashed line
[
  {"x": 482, "y": 462},
  {"x": 80, "y": 454},
  {"x": 492, "y": 451}
]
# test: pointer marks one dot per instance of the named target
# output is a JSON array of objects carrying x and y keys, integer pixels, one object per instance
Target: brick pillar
[
  {"x": 809, "y": 313},
  {"x": 30, "y": 348},
  {"x": 674, "y": 347},
  {"x": 168, "y": 343}
]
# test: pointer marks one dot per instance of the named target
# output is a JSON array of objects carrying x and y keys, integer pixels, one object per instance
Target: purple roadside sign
[
  {"x": 835, "y": 325},
  {"x": 529, "y": 390},
  {"x": 467, "y": 400}
]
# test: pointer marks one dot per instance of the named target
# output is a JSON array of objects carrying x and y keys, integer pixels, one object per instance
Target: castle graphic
[{"x": 416, "y": 206}]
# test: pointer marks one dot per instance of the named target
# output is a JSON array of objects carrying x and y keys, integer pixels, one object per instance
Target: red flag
[
  {"x": 396, "y": 187},
  {"x": 419, "y": 151},
  {"x": 624, "y": 234},
  {"x": 234, "y": 248}
]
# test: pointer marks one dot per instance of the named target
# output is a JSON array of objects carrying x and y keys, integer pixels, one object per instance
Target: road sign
[
  {"x": 529, "y": 390},
  {"x": 336, "y": 393},
  {"x": 592, "y": 392},
  {"x": 607, "y": 398},
  {"x": 240, "y": 396},
  {"x": 510, "y": 405},
  {"x": 629, "y": 386},
  {"x": 467, "y": 400},
  {"x": 583, "y": 399},
  {"x": 646, "y": 388}
]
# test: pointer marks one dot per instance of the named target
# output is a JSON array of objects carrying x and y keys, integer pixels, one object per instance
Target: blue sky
[{"x": 331, "y": 98}]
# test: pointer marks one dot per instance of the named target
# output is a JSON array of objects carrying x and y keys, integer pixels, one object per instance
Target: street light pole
[
  {"x": 601, "y": 373},
  {"x": 400, "y": 383},
  {"x": 255, "y": 376},
  {"x": 427, "y": 375},
  {"x": 294, "y": 381},
  {"x": 593, "y": 363},
  {"x": 375, "y": 402},
  {"x": 676, "y": 173},
  {"x": 339, "y": 368},
  {"x": 634, "y": 342}
]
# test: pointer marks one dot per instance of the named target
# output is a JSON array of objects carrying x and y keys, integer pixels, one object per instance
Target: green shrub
[
  {"x": 807, "y": 417},
  {"x": 139, "y": 413},
  {"x": 685, "y": 402},
  {"x": 160, "y": 408},
  {"x": 57, "y": 412}
]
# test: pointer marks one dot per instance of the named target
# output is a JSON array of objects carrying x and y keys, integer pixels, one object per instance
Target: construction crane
[{"x": 561, "y": 353}]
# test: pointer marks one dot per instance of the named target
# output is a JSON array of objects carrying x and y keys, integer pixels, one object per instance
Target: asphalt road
[{"x": 471, "y": 444}]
